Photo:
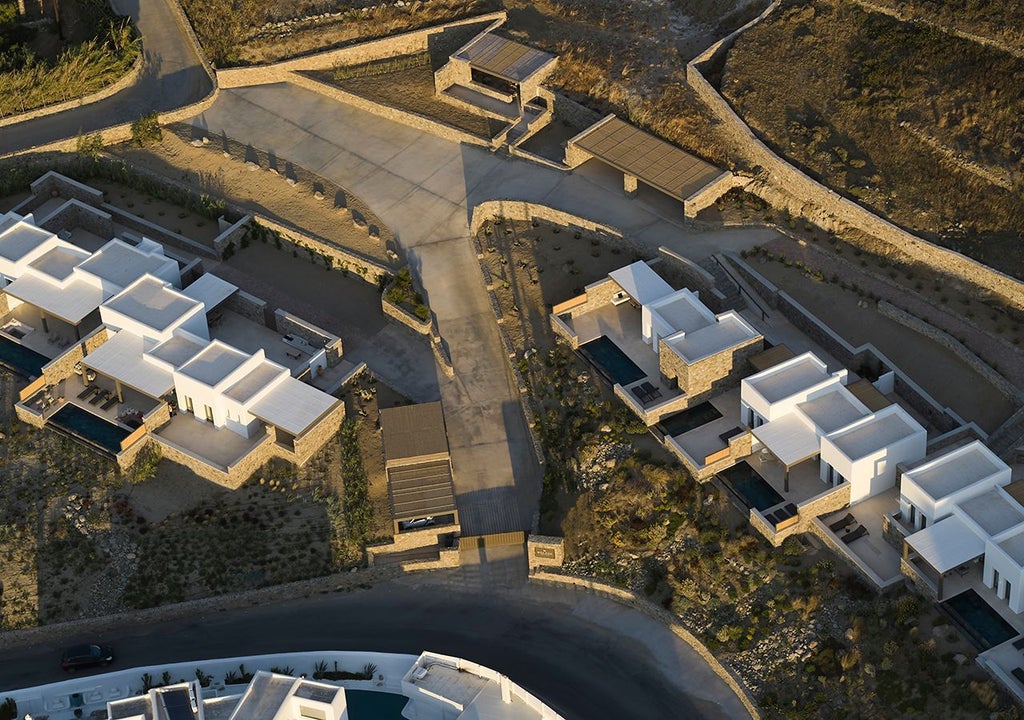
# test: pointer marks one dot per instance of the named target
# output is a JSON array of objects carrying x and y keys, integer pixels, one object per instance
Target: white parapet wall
[{"x": 81, "y": 696}]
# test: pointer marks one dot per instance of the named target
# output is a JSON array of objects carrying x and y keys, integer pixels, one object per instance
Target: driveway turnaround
[
  {"x": 587, "y": 657},
  {"x": 172, "y": 77},
  {"x": 424, "y": 189}
]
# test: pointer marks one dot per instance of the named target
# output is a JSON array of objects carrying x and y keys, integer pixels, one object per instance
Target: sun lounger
[
  {"x": 843, "y": 522},
  {"x": 89, "y": 390},
  {"x": 638, "y": 393},
  {"x": 730, "y": 434},
  {"x": 1019, "y": 674},
  {"x": 790, "y": 508},
  {"x": 110, "y": 402},
  {"x": 1018, "y": 644},
  {"x": 860, "y": 532},
  {"x": 97, "y": 398}
]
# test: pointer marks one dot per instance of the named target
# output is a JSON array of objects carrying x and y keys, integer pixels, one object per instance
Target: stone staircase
[{"x": 733, "y": 299}]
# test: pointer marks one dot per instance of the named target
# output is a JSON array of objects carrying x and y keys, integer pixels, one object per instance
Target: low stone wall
[
  {"x": 314, "y": 439},
  {"x": 912, "y": 575},
  {"x": 573, "y": 113},
  {"x": 29, "y": 416},
  {"x": 52, "y": 184},
  {"x": 949, "y": 342},
  {"x": 784, "y": 186},
  {"x": 229, "y": 477},
  {"x": 342, "y": 259},
  {"x": 653, "y": 414},
  {"x": 407, "y": 43},
  {"x": 399, "y": 315},
  {"x": 893, "y": 531},
  {"x": 707, "y": 195},
  {"x": 807, "y": 513},
  {"x": 63, "y": 366},
  {"x": 115, "y": 87},
  {"x": 693, "y": 275},
  {"x": 818, "y": 529},
  {"x": 157, "y": 417},
  {"x": 288, "y": 324},
  {"x": 232, "y": 235},
  {"x": 632, "y": 600},
  {"x": 248, "y": 306},
  {"x": 77, "y": 214}
]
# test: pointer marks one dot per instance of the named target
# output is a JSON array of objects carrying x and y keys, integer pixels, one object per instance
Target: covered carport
[{"x": 642, "y": 157}]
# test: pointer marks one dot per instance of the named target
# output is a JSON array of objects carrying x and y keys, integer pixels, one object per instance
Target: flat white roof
[
  {"x": 875, "y": 432},
  {"x": 153, "y": 303},
  {"x": 121, "y": 357},
  {"x": 178, "y": 349},
  {"x": 59, "y": 261},
  {"x": 641, "y": 283},
  {"x": 70, "y": 302},
  {"x": 947, "y": 544},
  {"x": 20, "y": 238},
  {"x": 993, "y": 511},
  {"x": 834, "y": 410},
  {"x": 1014, "y": 547},
  {"x": 682, "y": 311},
  {"x": 790, "y": 438},
  {"x": 255, "y": 380},
  {"x": 210, "y": 290},
  {"x": 788, "y": 378},
  {"x": 955, "y": 470},
  {"x": 119, "y": 263},
  {"x": 214, "y": 363},
  {"x": 292, "y": 405},
  {"x": 729, "y": 331}
]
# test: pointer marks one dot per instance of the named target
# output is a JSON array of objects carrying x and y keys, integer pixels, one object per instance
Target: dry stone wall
[
  {"x": 784, "y": 186},
  {"x": 288, "y": 324}
]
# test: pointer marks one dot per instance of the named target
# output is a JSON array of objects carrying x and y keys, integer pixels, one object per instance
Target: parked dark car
[{"x": 86, "y": 656}]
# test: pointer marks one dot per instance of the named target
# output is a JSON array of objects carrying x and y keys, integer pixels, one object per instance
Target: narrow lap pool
[
  {"x": 685, "y": 421},
  {"x": 979, "y": 619},
  {"x": 368, "y": 705},
  {"x": 88, "y": 428},
  {"x": 754, "y": 489},
  {"x": 611, "y": 362},
  {"x": 21, "y": 359}
]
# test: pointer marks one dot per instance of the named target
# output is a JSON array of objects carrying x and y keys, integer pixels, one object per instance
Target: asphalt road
[
  {"x": 557, "y": 644},
  {"x": 172, "y": 77}
]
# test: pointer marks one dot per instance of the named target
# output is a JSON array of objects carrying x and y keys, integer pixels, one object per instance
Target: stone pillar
[
  {"x": 629, "y": 184},
  {"x": 21, "y": 8}
]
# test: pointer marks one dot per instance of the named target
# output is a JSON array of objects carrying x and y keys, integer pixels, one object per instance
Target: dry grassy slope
[
  {"x": 1001, "y": 21},
  {"x": 829, "y": 86}
]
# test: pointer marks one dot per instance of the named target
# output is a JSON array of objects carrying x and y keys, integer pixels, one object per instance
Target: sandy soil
[
  {"x": 263, "y": 191},
  {"x": 533, "y": 268},
  {"x": 168, "y": 215}
]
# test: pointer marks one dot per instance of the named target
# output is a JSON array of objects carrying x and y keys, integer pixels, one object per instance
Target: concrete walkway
[{"x": 424, "y": 188}]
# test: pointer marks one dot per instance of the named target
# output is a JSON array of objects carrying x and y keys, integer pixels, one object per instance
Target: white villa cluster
[
  {"x": 114, "y": 335},
  {"x": 964, "y": 510},
  {"x": 799, "y": 411},
  {"x": 291, "y": 686}
]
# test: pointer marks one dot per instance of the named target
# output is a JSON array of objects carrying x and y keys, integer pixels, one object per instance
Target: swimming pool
[
  {"x": 685, "y": 421},
  {"x": 981, "y": 621},
  {"x": 88, "y": 428},
  {"x": 611, "y": 362},
  {"x": 368, "y": 705},
  {"x": 754, "y": 489},
  {"x": 21, "y": 359}
]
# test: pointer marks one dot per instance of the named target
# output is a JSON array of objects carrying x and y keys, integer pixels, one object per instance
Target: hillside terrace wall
[
  {"x": 232, "y": 235},
  {"x": 943, "y": 419},
  {"x": 78, "y": 214},
  {"x": 326, "y": 428},
  {"x": 52, "y": 184},
  {"x": 784, "y": 186},
  {"x": 248, "y": 306}
]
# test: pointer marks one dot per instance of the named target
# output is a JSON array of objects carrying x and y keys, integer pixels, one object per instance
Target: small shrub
[{"x": 146, "y": 130}]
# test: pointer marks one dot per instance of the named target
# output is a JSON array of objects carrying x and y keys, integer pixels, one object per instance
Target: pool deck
[
  {"x": 872, "y": 549},
  {"x": 622, "y": 325},
  {"x": 704, "y": 440}
]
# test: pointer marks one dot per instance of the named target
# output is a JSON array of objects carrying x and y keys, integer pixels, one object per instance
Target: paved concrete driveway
[
  {"x": 424, "y": 188},
  {"x": 172, "y": 77}
]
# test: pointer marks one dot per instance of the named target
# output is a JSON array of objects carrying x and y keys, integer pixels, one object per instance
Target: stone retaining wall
[
  {"x": 77, "y": 214},
  {"x": 399, "y": 315},
  {"x": 326, "y": 427},
  {"x": 634, "y": 601},
  {"x": 522, "y": 210},
  {"x": 342, "y": 259},
  {"x": 248, "y": 306},
  {"x": 949, "y": 342},
  {"x": 784, "y": 186},
  {"x": 232, "y": 235},
  {"x": 52, "y": 184},
  {"x": 117, "y": 86},
  {"x": 156, "y": 232},
  {"x": 287, "y": 324},
  {"x": 63, "y": 366},
  {"x": 818, "y": 529}
]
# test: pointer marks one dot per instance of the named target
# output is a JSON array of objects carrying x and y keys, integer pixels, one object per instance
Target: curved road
[
  {"x": 172, "y": 77},
  {"x": 586, "y": 657}
]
